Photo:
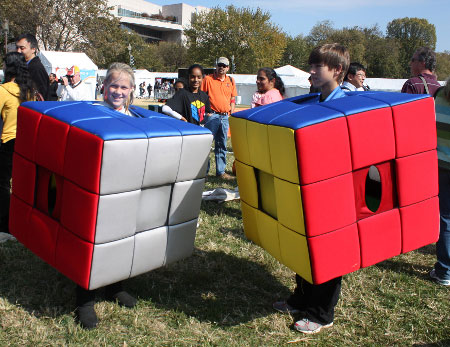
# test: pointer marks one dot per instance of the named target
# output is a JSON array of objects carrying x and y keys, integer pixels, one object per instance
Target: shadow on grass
[
  {"x": 401, "y": 267},
  {"x": 229, "y": 208},
  {"x": 443, "y": 343},
  {"x": 28, "y": 282},
  {"x": 429, "y": 249},
  {"x": 213, "y": 287}
]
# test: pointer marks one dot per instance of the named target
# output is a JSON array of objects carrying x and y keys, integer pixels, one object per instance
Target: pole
[{"x": 5, "y": 27}]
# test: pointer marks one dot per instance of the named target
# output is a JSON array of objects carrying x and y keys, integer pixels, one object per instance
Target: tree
[
  {"x": 296, "y": 52},
  {"x": 173, "y": 55},
  {"x": 245, "y": 33},
  {"x": 411, "y": 33},
  {"x": 59, "y": 25},
  {"x": 443, "y": 65},
  {"x": 320, "y": 33}
]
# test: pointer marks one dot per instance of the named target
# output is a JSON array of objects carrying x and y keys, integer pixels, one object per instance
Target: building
[{"x": 154, "y": 22}]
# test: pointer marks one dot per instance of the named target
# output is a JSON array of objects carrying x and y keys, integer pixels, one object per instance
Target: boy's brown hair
[{"x": 332, "y": 55}]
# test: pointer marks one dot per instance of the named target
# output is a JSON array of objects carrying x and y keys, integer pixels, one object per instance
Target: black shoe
[
  {"x": 86, "y": 316},
  {"x": 115, "y": 292}
]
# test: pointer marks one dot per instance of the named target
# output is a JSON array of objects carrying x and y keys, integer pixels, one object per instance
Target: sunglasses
[{"x": 222, "y": 65}]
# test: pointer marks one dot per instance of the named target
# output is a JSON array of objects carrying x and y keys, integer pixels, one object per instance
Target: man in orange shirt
[{"x": 221, "y": 90}]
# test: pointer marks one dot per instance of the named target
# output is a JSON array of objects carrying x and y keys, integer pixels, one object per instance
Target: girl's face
[
  {"x": 262, "y": 82},
  {"x": 195, "y": 79},
  {"x": 118, "y": 90}
]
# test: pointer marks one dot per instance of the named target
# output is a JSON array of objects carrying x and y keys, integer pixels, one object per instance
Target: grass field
[{"x": 222, "y": 296}]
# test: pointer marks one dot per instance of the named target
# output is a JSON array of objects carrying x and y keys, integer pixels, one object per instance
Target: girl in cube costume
[
  {"x": 314, "y": 304},
  {"x": 16, "y": 89},
  {"x": 270, "y": 87},
  {"x": 119, "y": 85},
  {"x": 191, "y": 104}
]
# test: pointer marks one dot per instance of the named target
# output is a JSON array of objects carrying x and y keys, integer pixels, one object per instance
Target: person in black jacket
[
  {"x": 28, "y": 46},
  {"x": 52, "y": 93}
]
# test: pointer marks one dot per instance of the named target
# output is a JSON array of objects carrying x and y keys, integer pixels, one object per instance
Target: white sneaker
[
  {"x": 307, "y": 327},
  {"x": 439, "y": 280}
]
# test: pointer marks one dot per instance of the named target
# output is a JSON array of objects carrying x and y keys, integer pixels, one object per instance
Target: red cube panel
[
  {"x": 372, "y": 138},
  {"x": 43, "y": 240},
  {"x": 388, "y": 189},
  {"x": 19, "y": 219},
  {"x": 420, "y": 224},
  {"x": 334, "y": 254},
  {"x": 78, "y": 167},
  {"x": 380, "y": 237},
  {"x": 24, "y": 178},
  {"x": 328, "y": 205},
  {"x": 52, "y": 138},
  {"x": 417, "y": 177},
  {"x": 27, "y": 129},
  {"x": 323, "y": 150},
  {"x": 79, "y": 211},
  {"x": 415, "y": 127},
  {"x": 74, "y": 257}
]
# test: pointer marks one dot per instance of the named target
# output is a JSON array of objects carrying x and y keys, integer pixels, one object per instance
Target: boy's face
[{"x": 321, "y": 75}]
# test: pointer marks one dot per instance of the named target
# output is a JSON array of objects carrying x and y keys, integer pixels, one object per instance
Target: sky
[{"x": 299, "y": 16}]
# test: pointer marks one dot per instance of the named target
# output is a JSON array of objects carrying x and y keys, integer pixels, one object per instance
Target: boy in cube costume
[{"x": 336, "y": 181}]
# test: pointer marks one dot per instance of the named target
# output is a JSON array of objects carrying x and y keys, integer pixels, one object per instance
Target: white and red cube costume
[{"x": 102, "y": 196}]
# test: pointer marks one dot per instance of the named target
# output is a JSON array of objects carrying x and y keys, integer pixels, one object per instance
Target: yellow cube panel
[
  {"x": 268, "y": 234},
  {"x": 258, "y": 146},
  {"x": 294, "y": 252},
  {"x": 248, "y": 188},
  {"x": 289, "y": 205},
  {"x": 250, "y": 224},
  {"x": 238, "y": 128},
  {"x": 267, "y": 193},
  {"x": 283, "y": 153}
]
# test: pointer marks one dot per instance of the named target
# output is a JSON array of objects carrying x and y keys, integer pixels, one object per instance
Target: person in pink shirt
[{"x": 270, "y": 87}]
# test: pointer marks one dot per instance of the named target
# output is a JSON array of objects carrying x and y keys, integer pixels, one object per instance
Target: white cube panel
[
  {"x": 123, "y": 165},
  {"x": 194, "y": 157},
  {"x": 163, "y": 160},
  {"x": 153, "y": 207},
  {"x": 186, "y": 200},
  {"x": 149, "y": 250},
  {"x": 116, "y": 216},
  {"x": 180, "y": 242},
  {"x": 111, "y": 262}
]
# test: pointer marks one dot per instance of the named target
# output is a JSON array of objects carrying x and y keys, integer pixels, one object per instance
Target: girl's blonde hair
[{"x": 121, "y": 68}]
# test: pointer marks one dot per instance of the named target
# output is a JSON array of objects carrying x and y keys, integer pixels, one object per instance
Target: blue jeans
[
  {"x": 442, "y": 266},
  {"x": 218, "y": 125}
]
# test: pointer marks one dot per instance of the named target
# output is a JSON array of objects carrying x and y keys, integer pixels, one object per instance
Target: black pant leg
[
  {"x": 6, "y": 158},
  {"x": 316, "y": 301}
]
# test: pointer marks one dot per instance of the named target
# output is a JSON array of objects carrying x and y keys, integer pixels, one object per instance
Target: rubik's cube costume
[
  {"x": 102, "y": 196},
  {"x": 307, "y": 196}
]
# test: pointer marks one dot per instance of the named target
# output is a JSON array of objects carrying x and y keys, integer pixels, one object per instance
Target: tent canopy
[
  {"x": 289, "y": 70},
  {"x": 51, "y": 60}
]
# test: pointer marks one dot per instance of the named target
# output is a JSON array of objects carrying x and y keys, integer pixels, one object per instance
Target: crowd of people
[{"x": 209, "y": 101}]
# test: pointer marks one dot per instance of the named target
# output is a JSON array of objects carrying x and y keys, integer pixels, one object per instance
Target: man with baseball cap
[
  {"x": 74, "y": 89},
  {"x": 221, "y": 90}
]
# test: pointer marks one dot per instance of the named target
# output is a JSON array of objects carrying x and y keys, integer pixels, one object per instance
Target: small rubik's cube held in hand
[
  {"x": 102, "y": 196},
  {"x": 328, "y": 188}
]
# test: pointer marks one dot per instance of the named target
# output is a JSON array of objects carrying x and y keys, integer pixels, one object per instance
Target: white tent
[
  {"x": 289, "y": 70},
  {"x": 60, "y": 62}
]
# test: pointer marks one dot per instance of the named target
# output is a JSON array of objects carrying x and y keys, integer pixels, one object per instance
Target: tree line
[{"x": 245, "y": 33}]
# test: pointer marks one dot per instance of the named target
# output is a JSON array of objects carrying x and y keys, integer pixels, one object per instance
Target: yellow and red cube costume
[{"x": 303, "y": 168}]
